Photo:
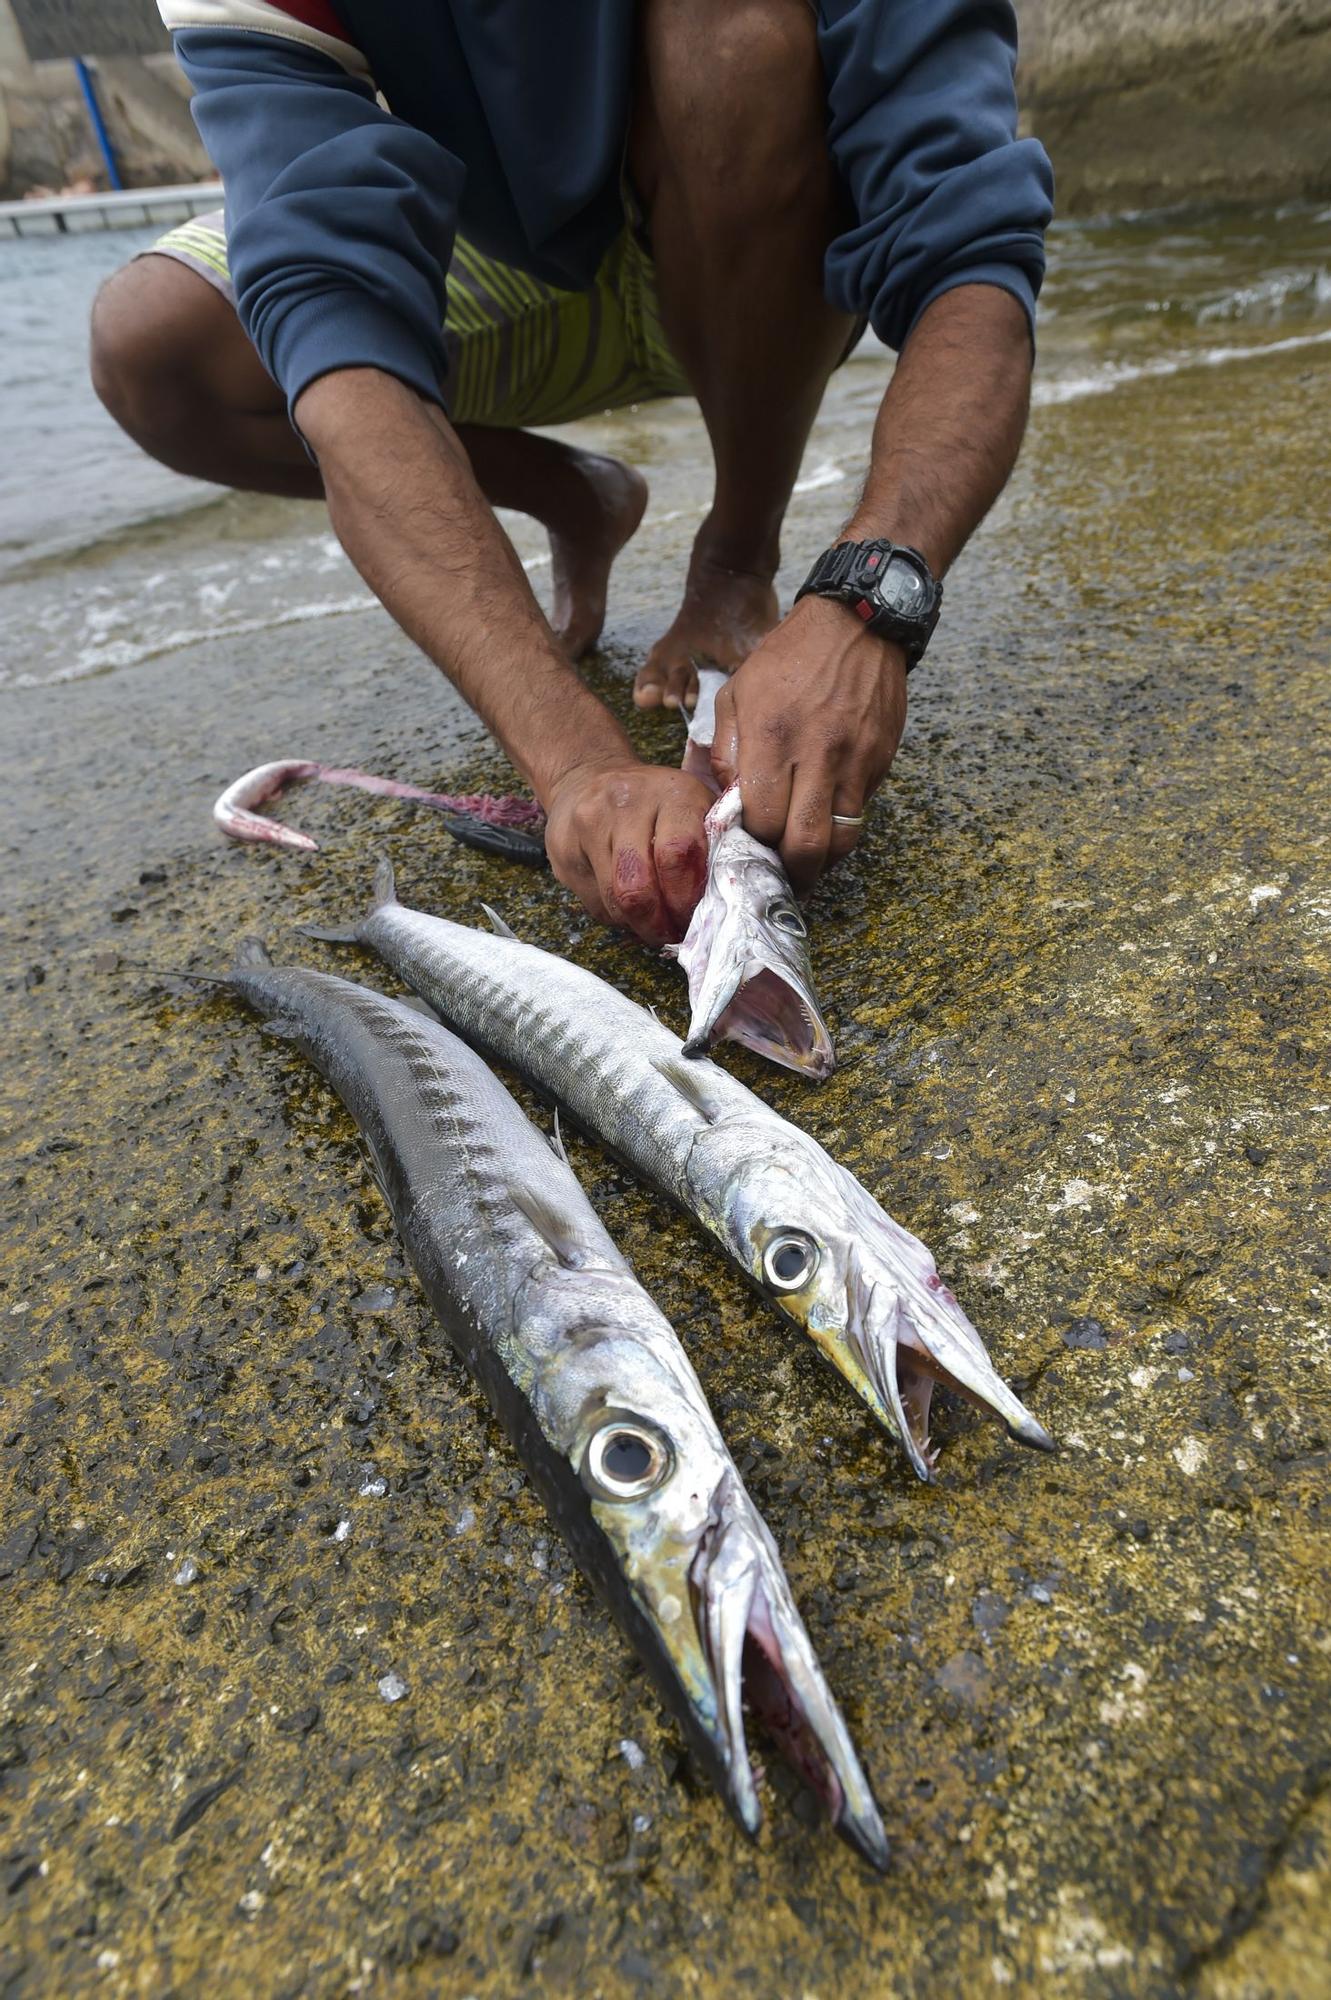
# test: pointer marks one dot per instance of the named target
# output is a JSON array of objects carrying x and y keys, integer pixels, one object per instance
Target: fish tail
[
  {"x": 384, "y": 893},
  {"x": 252, "y": 955},
  {"x": 175, "y": 972},
  {"x": 385, "y": 883},
  {"x": 331, "y": 933}
]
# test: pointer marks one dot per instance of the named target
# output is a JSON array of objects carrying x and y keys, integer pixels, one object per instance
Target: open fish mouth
[
  {"x": 745, "y": 955},
  {"x": 911, "y": 1337},
  {"x": 747, "y": 1641},
  {"x": 772, "y": 1015}
]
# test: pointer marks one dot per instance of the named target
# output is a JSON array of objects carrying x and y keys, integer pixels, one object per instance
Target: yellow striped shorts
[{"x": 519, "y": 352}]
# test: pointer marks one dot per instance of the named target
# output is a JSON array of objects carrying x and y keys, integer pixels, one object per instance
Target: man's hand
[
  {"x": 809, "y": 725},
  {"x": 628, "y": 839},
  {"x": 811, "y": 721}
]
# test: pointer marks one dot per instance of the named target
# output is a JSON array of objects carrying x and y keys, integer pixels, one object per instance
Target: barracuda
[
  {"x": 745, "y": 953},
  {"x": 796, "y": 1223},
  {"x": 588, "y": 1379}
]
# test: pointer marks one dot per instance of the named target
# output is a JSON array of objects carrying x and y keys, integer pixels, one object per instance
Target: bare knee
[
  {"x": 735, "y": 111},
  {"x": 168, "y": 354},
  {"x": 138, "y": 344}
]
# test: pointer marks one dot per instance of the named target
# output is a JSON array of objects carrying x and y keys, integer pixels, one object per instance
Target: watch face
[{"x": 903, "y": 590}]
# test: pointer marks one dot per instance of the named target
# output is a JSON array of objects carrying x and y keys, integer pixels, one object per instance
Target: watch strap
[
  {"x": 839, "y": 573},
  {"x": 831, "y": 570}
]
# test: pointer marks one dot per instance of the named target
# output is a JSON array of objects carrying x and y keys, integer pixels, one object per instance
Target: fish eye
[
  {"x": 784, "y": 916},
  {"x": 790, "y": 1260},
  {"x": 625, "y": 1460}
]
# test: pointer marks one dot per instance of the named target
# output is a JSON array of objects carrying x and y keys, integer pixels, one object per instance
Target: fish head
[
  {"x": 867, "y": 1292},
  {"x": 746, "y": 955},
  {"x": 713, "y": 1607}
]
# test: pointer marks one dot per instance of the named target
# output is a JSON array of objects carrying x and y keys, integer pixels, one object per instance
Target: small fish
[
  {"x": 511, "y": 827},
  {"x": 745, "y": 952},
  {"x": 800, "y": 1226},
  {"x": 587, "y": 1377}
]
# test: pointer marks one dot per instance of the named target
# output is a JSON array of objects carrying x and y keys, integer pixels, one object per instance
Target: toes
[
  {"x": 649, "y": 687},
  {"x": 682, "y": 685},
  {"x": 666, "y": 684}
]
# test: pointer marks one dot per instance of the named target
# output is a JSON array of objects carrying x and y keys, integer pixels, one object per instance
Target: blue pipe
[{"x": 98, "y": 123}]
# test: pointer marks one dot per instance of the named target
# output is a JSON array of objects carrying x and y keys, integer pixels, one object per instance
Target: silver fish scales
[
  {"x": 588, "y": 1378},
  {"x": 798, "y": 1224}
]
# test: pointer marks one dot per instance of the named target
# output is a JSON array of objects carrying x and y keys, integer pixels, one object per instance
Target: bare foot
[
  {"x": 599, "y": 510},
  {"x": 725, "y": 613}
]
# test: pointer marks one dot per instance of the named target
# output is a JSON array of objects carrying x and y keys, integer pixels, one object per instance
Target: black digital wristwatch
[{"x": 889, "y": 586}]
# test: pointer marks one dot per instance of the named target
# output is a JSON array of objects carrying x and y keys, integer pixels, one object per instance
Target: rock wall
[
  {"x": 1146, "y": 103},
  {"x": 54, "y": 28},
  {"x": 1142, "y": 103},
  {"x": 46, "y": 140}
]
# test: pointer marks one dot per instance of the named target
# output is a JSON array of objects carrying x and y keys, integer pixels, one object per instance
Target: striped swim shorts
[{"x": 519, "y": 352}]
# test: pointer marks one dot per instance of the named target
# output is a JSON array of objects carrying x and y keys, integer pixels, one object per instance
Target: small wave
[
  {"x": 126, "y": 653},
  {"x": 1119, "y": 374},
  {"x": 22, "y": 559},
  {"x": 1267, "y": 299},
  {"x": 109, "y": 657},
  {"x": 822, "y": 475}
]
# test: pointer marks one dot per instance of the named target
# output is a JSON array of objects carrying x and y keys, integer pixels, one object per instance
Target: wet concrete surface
[{"x": 299, "y": 1694}]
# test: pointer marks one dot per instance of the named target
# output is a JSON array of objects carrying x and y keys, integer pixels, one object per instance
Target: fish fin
[
  {"x": 370, "y": 1153},
  {"x": 331, "y": 933},
  {"x": 551, "y": 1227},
  {"x": 383, "y": 892},
  {"x": 421, "y": 1007},
  {"x": 282, "y": 1028},
  {"x": 498, "y": 926},
  {"x": 557, "y": 1146},
  {"x": 384, "y": 887},
  {"x": 691, "y": 1083},
  {"x": 252, "y": 954}
]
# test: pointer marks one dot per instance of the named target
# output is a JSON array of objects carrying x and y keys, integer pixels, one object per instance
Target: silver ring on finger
[{"x": 848, "y": 819}]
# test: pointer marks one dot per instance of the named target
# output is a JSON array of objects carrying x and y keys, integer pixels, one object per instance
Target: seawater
[{"x": 107, "y": 559}]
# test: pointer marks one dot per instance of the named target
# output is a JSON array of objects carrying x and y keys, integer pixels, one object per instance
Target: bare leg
[
  {"x": 729, "y": 156},
  {"x": 588, "y": 504},
  {"x": 174, "y": 367}
]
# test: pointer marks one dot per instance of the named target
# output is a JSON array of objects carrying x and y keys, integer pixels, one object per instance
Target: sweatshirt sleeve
[
  {"x": 340, "y": 218},
  {"x": 922, "y": 127}
]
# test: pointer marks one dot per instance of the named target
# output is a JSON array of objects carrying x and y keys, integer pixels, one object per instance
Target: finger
[
  {"x": 679, "y": 852},
  {"x": 847, "y": 804},
  {"x": 627, "y": 877},
  {"x": 765, "y": 792},
  {"x": 765, "y": 764},
  {"x": 578, "y": 876},
  {"x": 808, "y": 830},
  {"x": 592, "y": 902},
  {"x": 725, "y": 738}
]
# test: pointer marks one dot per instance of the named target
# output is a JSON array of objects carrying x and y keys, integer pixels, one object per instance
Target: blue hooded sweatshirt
[{"x": 509, "y": 121}]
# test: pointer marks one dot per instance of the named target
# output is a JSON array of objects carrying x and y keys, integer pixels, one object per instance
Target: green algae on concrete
[{"x": 299, "y": 1693}]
